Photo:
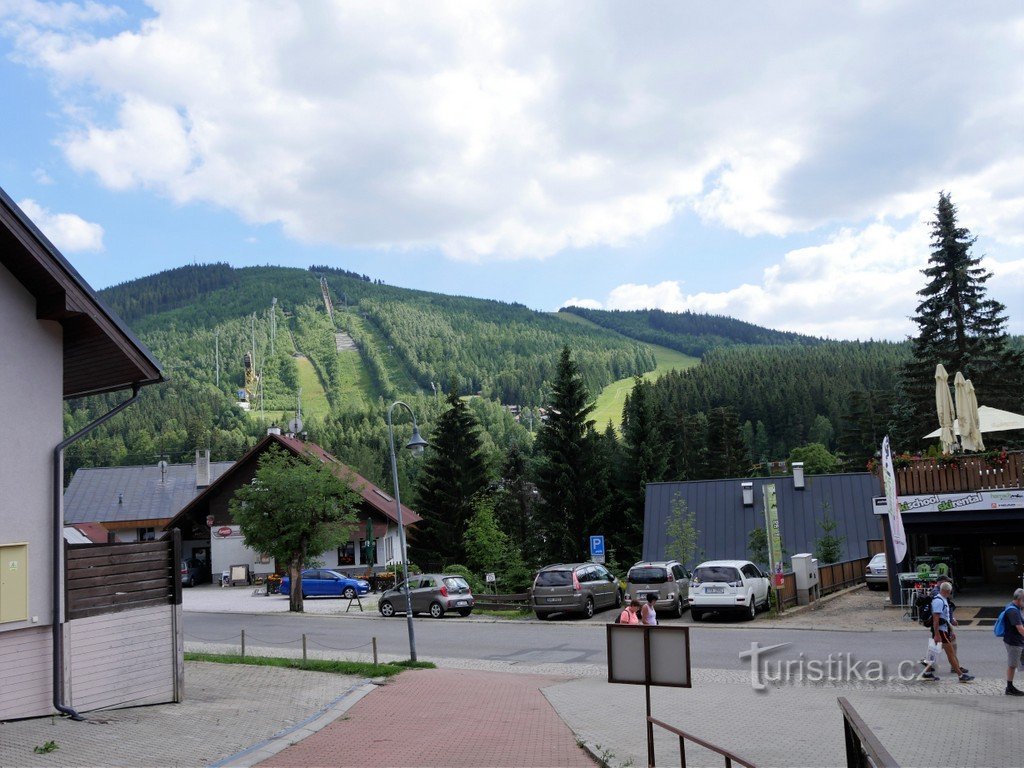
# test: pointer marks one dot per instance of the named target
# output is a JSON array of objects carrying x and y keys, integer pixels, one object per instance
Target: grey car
[
  {"x": 433, "y": 593},
  {"x": 876, "y": 574},
  {"x": 574, "y": 588},
  {"x": 667, "y": 579}
]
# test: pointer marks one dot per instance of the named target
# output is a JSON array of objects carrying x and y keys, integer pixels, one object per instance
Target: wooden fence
[
  {"x": 968, "y": 473},
  {"x": 106, "y": 578},
  {"x": 831, "y": 578},
  {"x": 507, "y": 602}
]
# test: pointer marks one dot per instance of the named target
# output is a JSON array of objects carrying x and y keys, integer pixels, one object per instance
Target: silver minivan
[
  {"x": 666, "y": 578},
  {"x": 574, "y": 588}
]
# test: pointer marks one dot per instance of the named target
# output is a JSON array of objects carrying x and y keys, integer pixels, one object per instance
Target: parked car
[
  {"x": 736, "y": 586},
  {"x": 192, "y": 573},
  {"x": 433, "y": 593},
  {"x": 323, "y": 582},
  {"x": 876, "y": 574},
  {"x": 667, "y": 579},
  {"x": 574, "y": 588}
]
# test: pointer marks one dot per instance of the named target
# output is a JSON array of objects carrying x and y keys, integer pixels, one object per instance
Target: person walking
[
  {"x": 629, "y": 613},
  {"x": 648, "y": 614},
  {"x": 1013, "y": 639},
  {"x": 943, "y": 634}
]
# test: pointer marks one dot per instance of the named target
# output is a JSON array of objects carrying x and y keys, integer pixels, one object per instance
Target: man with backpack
[
  {"x": 942, "y": 632},
  {"x": 1010, "y": 627}
]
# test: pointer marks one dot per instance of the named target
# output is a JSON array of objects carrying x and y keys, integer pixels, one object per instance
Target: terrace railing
[{"x": 957, "y": 474}]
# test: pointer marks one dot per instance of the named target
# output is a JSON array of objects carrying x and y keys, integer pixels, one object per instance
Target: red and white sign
[{"x": 224, "y": 531}]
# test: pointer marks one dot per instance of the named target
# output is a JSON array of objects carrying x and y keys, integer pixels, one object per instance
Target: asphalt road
[{"x": 713, "y": 646}]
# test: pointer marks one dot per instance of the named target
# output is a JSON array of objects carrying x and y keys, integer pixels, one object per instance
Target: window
[
  {"x": 678, "y": 572},
  {"x": 347, "y": 554},
  {"x": 717, "y": 573},
  {"x": 147, "y": 534},
  {"x": 554, "y": 578},
  {"x": 262, "y": 559},
  {"x": 389, "y": 549},
  {"x": 647, "y": 576}
]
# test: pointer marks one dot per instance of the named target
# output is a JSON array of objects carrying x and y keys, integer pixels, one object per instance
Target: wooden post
[
  {"x": 375, "y": 651},
  {"x": 303, "y": 648},
  {"x": 243, "y": 643}
]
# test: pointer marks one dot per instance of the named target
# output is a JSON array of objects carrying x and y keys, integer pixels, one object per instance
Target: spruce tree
[
  {"x": 453, "y": 474},
  {"x": 645, "y": 461},
  {"x": 726, "y": 456},
  {"x": 958, "y": 327},
  {"x": 569, "y": 474}
]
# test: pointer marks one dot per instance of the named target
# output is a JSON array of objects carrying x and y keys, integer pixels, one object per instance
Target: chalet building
[
  {"x": 206, "y": 521},
  {"x": 59, "y": 651}
]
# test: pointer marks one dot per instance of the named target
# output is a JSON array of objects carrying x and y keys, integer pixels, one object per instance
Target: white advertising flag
[{"x": 899, "y": 536}]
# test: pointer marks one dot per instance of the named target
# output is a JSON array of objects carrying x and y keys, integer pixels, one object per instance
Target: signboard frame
[{"x": 665, "y": 652}]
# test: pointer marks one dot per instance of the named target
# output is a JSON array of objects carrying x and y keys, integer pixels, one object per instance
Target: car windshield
[
  {"x": 554, "y": 578},
  {"x": 456, "y": 584},
  {"x": 647, "y": 576},
  {"x": 724, "y": 573},
  {"x": 877, "y": 561}
]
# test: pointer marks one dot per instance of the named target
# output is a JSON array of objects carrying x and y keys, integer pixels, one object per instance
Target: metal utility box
[
  {"x": 805, "y": 571},
  {"x": 13, "y": 582}
]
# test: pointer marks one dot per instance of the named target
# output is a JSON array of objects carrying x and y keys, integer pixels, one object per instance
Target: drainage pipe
[{"x": 57, "y": 579}]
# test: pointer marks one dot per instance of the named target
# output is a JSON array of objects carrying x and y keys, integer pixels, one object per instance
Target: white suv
[{"x": 728, "y": 585}]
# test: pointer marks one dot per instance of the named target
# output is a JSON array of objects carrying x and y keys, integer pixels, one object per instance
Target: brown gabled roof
[
  {"x": 371, "y": 494},
  {"x": 100, "y": 353}
]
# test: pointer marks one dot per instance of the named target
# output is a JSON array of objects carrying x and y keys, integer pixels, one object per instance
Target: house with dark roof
[
  {"x": 207, "y": 520},
  {"x": 59, "y": 341},
  {"x": 726, "y": 511},
  {"x": 136, "y": 503}
]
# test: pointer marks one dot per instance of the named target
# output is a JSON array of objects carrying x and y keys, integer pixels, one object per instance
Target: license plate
[
  {"x": 460, "y": 602},
  {"x": 715, "y": 590},
  {"x": 554, "y": 599}
]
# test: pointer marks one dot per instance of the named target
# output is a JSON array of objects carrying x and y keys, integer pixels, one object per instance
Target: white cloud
[
  {"x": 68, "y": 231},
  {"x": 521, "y": 129},
  {"x": 861, "y": 284},
  {"x": 585, "y": 303}
]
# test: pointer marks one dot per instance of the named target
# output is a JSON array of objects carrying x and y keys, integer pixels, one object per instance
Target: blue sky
[{"x": 777, "y": 164}]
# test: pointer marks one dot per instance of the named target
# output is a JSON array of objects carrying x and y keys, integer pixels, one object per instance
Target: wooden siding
[
  {"x": 106, "y": 578},
  {"x": 26, "y": 673},
  {"x": 968, "y": 473},
  {"x": 129, "y": 658}
]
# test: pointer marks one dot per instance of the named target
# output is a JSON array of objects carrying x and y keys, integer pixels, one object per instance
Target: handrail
[
  {"x": 863, "y": 749},
  {"x": 730, "y": 758}
]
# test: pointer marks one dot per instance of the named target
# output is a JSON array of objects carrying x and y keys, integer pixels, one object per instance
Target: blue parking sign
[{"x": 596, "y": 545}]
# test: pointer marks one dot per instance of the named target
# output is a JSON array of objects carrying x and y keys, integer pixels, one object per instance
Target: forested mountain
[{"x": 688, "y": 332}]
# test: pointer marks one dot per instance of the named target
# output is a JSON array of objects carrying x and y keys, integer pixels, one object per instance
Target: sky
[{"x": 778, "y": 163}]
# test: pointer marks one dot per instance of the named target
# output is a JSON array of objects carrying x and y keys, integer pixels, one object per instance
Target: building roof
[
  {"x": 100, "y": 353},
  {"x": 124, "y": 494},
  {"x": 724, "y": 524},
  {"x": 375, "y": 497}
]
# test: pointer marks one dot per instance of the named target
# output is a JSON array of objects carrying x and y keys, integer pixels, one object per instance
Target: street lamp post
[{"x": 416, "y": 444}]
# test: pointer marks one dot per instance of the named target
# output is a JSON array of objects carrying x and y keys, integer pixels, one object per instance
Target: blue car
[{"x": 321, "y": 582}]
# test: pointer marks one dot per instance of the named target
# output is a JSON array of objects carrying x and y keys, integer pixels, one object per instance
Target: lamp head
[{"x": 416, "y": 443}]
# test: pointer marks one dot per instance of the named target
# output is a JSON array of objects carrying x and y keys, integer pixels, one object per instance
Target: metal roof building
[{"x": 724, "y": 522}]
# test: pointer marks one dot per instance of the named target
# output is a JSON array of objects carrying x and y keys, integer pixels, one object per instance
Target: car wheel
[
  {"x": 349, "y": 593},
  {"x": 464, "y": 612},
  {"x": 436, "y": 610},
  {"x": 751, "y": 613},
  {"x": 588, "y": 608},
  {"x": 386, "y": 609},
  {"x": 696, "y": 614},
  {"x": 678, "y": 612},
  {"x": 618, "y": 598},
  {"x": 542, "y": 616}
]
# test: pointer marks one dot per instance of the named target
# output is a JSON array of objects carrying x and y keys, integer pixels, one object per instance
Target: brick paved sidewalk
[{"x": 445, "y": 717}]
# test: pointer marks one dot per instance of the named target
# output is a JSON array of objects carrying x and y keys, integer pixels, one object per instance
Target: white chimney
[
  {"x": 798, "y": 474},
  {"x": 202, "y": 468},
  {"x": 748, "y": 493},
  {"x": 273, "y": 430}
]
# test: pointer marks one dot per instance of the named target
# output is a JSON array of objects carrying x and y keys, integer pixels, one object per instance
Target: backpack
[
  {"x": 999, "y": 630},
  {"x": 618, "y": 619},
  {"x": 924, "y": 610}
]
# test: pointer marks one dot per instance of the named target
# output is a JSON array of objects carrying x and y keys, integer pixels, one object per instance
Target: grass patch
[
  {"x": 609, "y": 403},
  {"x": 503, "y": 613},
  {"x": 358, "y": 668}
]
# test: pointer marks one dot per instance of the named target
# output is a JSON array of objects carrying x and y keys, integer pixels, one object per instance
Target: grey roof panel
[{"x": 121, "y": 494}]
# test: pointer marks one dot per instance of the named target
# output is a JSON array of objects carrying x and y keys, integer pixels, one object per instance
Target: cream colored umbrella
[
  {"x": 989, "y": 420},
  {"x": 944, "y": 408},
  {"x": 972, "y": 438}
]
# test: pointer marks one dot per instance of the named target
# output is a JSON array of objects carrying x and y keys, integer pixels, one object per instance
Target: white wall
[
  {"x": 231, "y": 550},
  {"x": 31, "y": 391}
]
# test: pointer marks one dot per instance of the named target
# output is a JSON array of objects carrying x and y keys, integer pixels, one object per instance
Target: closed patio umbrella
[
  {"x": 972, "y": 438},
  {"x": 944, "y": 408}
]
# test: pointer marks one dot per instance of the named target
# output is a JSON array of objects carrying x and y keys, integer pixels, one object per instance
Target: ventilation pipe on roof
[
  {"x": 748, "y": 493},
  {"x": 273, "y": 430},
  {"x": 57, "y": 580},
  {"x": 202, "y": 468},
  {"x": 798, "y": 475}
]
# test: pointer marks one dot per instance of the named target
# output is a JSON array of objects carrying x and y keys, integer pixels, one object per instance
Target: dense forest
[{"x": 688, "y": 332}]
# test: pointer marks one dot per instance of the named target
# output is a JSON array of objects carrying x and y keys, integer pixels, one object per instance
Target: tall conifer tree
[
  {"x": 645, "y": 461},
  {"x": 958, "y": 327},
  {"x": 453, "y": 474},
  {"x": 569, "y": 474}
]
